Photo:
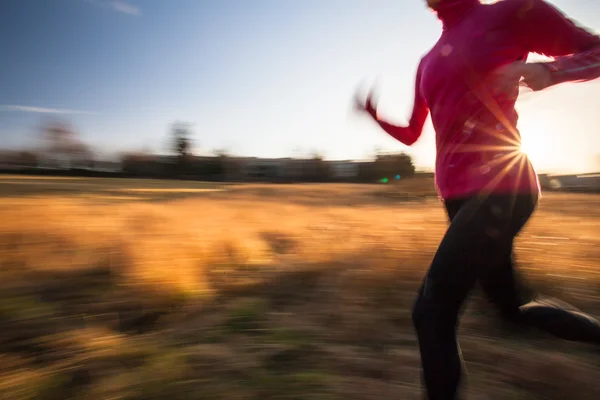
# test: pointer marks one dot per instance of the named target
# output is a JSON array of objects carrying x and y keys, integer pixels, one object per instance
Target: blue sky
[{"x": 263, "y": 77}]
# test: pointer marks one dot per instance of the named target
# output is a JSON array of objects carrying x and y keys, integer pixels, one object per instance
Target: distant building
[
  {"x": 8, "y": 159},
  {"x": 582, "y": 182},
  {"x": 265, "y": 168},
  {"x": 107, "y": 166},
  {"x": 65, "y": 160},
  {"x": 343, "y": 170},
  {"x": 544, "y": 180},
  {"x": 290, "y": 169}
]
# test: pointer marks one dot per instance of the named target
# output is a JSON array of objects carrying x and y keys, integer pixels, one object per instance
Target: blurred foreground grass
[{"x": 120, "y": 289}]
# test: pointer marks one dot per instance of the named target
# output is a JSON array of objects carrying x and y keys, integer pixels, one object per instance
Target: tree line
[{"x": 62, "y": 150}]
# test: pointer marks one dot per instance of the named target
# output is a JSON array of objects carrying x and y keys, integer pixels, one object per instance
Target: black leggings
[{"x": 477, "y": 247}]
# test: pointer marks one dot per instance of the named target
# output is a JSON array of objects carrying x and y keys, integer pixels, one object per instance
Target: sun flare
[{"x": 535, "y": 144}]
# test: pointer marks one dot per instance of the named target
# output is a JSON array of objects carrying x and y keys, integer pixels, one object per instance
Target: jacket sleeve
[
  {"x": 411, "y": 133},
  {"x": 545, "y": 30}
]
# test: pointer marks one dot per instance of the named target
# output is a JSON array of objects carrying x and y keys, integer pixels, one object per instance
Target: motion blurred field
[{"x": 141, "y": 289}]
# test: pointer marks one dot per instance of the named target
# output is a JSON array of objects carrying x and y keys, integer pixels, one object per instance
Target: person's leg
[
  {"x": 437, "y": 347},
  {"x": 435, "y": 316},
  {"x": 452, "y": 274},
  {"x": 561, "y": 320},
  {"x": 504, "y": 290}
]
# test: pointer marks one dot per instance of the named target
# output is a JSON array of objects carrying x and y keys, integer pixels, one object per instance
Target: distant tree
[
  {"x": 366, "y": 172},
  {"x": 58, "y": 135},
  {"x": 316, "y": 169},
  {"x": 221, "y": 153},
  {"x": 181, "y": 147},
  {"x": 387, "y": 167},
  {"x": 141, "y": 164},
  {"x": 391, "y": 165},
  {"x": 222, "y": 163},
  {"x": 323, "y": 170},
  {"x": 181, "y": 139},
  {"x": 63, "y": 147},
  {"x": 129, "y": 163},
  {"x": 27, "y": 159}
]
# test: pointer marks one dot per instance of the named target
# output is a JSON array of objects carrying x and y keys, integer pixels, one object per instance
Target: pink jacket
[{"x": 477, "y": 143}]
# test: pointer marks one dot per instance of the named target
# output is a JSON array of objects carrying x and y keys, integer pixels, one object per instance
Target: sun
[
  {"x": 527, "y": 147},
  {"x": 535, "y": 144},
  {"x": 536, "y": 150}
]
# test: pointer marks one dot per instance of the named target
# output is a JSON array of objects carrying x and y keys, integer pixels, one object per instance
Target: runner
[{"x": 469, "y": 82}]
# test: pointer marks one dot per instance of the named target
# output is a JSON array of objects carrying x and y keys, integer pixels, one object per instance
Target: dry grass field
[{"x": 132, "y": 289}]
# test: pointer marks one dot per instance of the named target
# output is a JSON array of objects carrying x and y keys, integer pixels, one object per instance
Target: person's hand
[
  {"x": 369, "y": 105},
  {"x": 536, "y": 76},
  {"x": 507, "y": 79}
]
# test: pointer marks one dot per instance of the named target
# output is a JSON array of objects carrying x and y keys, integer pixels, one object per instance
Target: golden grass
[{"x": 263, "y": 291}]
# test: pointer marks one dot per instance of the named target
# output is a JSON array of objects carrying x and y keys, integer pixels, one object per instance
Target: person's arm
[
  {"x": 545, "y": 30},
  {"x": 407, "y": 135}
]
